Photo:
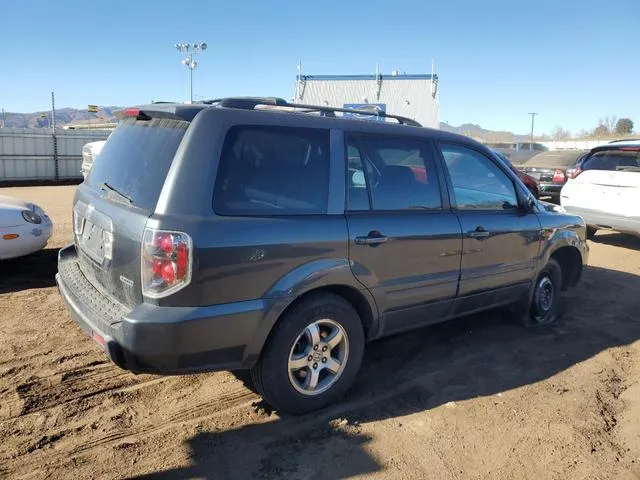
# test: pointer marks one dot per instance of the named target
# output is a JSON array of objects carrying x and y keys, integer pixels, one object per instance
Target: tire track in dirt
[
  {"x": 211, "y": 406},
  {"x": 47, "y": 391}
]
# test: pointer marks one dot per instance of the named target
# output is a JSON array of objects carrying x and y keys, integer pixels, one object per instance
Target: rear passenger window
[
  {"x": 397, "y": 173},
  {"x": 273, "y": 171}
]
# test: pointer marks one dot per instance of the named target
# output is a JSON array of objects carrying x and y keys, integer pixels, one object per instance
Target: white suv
[
  {"x": 605, "y": 188},
  {"x": 89, "y": 153}
]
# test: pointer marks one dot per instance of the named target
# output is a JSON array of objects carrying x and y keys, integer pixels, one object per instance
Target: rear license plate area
[{"x": 91, "y": 241}]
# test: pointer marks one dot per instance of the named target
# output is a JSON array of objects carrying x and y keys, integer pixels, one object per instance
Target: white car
[
  {"x": 605, "y": 188},
  {"x": 89, "y": 153},
  {"x": 24, "y": 228}
]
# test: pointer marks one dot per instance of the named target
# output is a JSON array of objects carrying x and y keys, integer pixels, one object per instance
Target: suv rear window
[
  {"x": 136, "y": 158},
  {"x": 614, "y": 159},
  {"x": 273, "y": 171}
]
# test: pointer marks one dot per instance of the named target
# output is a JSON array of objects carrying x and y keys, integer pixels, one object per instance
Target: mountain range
[
  {"x": 67, "y": 116},
  {"x": 64, "y": 116}
]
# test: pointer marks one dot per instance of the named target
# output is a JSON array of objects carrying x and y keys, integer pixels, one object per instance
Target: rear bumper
[
  {"x": 607, "y": 221},
  {"x": 550, "y": 190},
  {"x": 157, "y": 339}
]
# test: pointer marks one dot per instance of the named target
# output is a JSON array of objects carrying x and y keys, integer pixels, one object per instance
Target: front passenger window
[{"x": 478, "y": 183}]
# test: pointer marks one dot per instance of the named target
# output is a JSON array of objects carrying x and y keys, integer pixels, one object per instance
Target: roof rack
[{"x": 249, "y": 103}]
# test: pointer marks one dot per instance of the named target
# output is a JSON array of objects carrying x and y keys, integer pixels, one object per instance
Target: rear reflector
[
  {"x": 98, "y": 338},
  {"x": 10, "y": 236}
]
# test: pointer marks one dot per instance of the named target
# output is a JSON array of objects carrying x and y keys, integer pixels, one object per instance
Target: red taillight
[
  {"x": 131, "y": 112},
  {"x": 574, "y": 172},
  {"x": 182, "y": 260},
  {"x": 166, "y": 262},
  {"x": 559, "y": 176},
  {"x": 630, "y": 149}
]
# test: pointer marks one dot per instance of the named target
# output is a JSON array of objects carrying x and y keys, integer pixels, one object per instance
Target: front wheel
[
  {"x": 312, "y": 356},
  {"x": 544, "y": 304}
]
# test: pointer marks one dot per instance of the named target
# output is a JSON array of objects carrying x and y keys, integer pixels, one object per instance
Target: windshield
[
  {"x": 613, "y": 160},
  {"x": 135, "y": 160}
]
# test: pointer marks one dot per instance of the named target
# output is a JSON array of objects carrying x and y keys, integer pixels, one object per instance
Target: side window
[
  {"x": 273, "y": 171},
  {"x": 397, "y": 173},
  {"x": 478, "y": 183}
]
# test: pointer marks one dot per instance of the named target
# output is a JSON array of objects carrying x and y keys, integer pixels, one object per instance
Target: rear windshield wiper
[{"x": 105, "y": 187}]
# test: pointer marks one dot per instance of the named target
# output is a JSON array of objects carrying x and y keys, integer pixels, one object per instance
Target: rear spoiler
[{"x": 174, "y": 111}]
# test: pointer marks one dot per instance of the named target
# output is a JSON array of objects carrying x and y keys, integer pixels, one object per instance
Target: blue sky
[{"x": 573, "y": 61}]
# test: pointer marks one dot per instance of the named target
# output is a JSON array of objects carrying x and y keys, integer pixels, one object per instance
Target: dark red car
[{"x": 530, "y": 182}]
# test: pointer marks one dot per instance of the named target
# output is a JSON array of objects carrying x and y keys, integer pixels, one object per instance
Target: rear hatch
[
  {"x": 121, "y": 191},
  {"x": 609, "y": 182}
]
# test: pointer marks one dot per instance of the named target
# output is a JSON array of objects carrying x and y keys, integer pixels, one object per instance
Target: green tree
[{"x": 624, "y": 126}]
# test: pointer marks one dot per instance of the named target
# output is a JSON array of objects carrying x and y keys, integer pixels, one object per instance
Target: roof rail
[{"x": 249, "y": 103}]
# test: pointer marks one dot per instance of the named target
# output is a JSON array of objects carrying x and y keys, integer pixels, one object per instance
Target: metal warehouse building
[{"x": 411, "y": 95}]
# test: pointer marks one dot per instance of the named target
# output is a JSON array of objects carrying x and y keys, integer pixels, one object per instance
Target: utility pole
[
  {"x": 533, "y": 116},
  {"x": 55, "y": 139},
  {"x": 53, "y": 112},
  {"x": 189, "y": 51}
]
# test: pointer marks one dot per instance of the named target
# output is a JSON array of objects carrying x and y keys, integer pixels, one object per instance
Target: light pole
[
  {"x": 533, "y": 115},
  {"x": 189, "y": 51}
]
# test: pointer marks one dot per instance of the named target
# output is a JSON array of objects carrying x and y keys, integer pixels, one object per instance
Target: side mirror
[{"x": 530, "y": 203}]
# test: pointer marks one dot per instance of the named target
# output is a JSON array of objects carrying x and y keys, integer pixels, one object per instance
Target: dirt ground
[{"x": 475, "y": 398}]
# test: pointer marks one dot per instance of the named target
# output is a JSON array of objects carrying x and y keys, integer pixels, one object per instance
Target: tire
[
  {"x": 544, "y": 302},
  {"x": 591, "y": 232},
  {"x": 289, "y": 365}
]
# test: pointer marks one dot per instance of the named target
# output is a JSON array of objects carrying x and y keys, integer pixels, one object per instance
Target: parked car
[
  {"x": 530, "y": 182},
  {"x": 89, "y": 153},
  {"x": 24, "y": 228},
  {"x": 282, "y": 242},
  {"x": 606, "y": 189},
  {"x": 550, "y": 170}
]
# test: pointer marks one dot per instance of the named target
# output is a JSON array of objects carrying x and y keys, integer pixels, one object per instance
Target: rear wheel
[{"x": 312, "y": 357}]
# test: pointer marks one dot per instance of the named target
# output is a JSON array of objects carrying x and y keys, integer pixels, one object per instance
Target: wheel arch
[
  {"x": 571, "y": 265},
  {"x": 361, "y": 300}
]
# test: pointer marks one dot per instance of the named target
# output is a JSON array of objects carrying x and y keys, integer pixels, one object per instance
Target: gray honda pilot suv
[{"x": 223, "y": 235}]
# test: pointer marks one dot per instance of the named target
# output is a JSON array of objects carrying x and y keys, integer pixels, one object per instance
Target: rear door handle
[
  {"x": 479, "y": 232},
  {"x": 373, "y": 239}
]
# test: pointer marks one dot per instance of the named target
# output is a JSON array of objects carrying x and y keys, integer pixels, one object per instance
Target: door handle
[
  {"x": 374, "y": 238},
  {"x": 479, "y": 232}
]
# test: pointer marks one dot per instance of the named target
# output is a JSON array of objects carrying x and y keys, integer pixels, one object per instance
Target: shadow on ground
[
  {"x": 618, "y": 240},
  {"x": 478, "y": 356},
  {"x": 37, "y": 270}
]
